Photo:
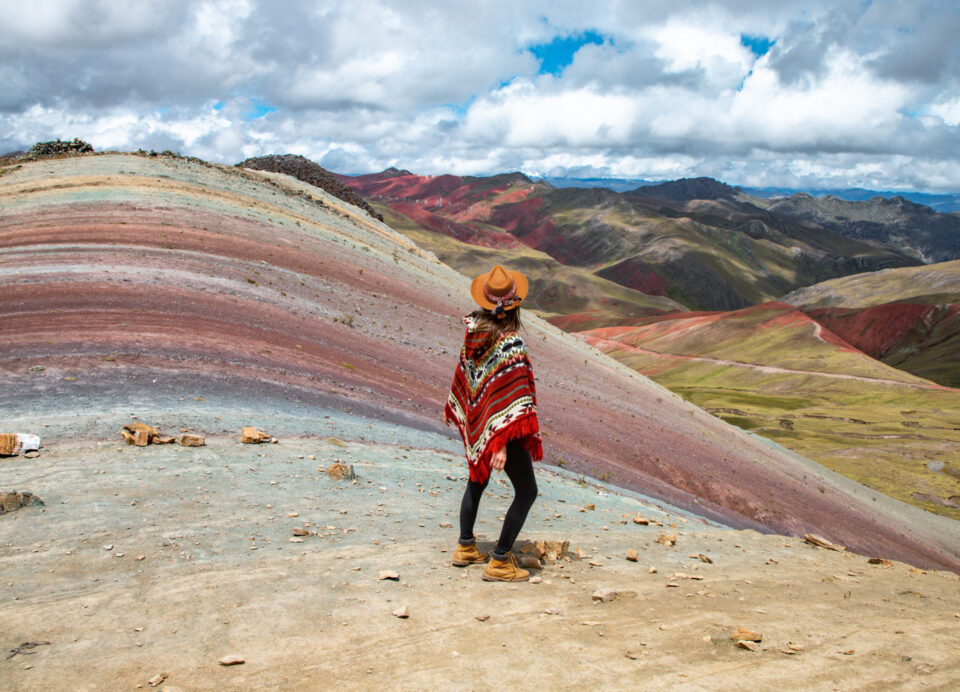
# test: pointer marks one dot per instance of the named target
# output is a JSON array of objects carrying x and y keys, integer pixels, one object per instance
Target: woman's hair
[{"x": 486, "y": 321}]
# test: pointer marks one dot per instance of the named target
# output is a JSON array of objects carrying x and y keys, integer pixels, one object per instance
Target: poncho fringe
[{"x": 493, "y": 399}]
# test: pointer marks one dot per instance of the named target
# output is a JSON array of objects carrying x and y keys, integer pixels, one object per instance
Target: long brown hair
[{"x": 486, "y": 321}]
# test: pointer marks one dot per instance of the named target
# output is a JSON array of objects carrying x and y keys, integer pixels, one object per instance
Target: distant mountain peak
[
  {"x": 687, "y": 189},
  {"x": 394, "y": 172}
]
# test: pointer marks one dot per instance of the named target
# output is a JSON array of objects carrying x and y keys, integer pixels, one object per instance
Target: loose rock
[
  {"x": 252, "y": 436},
  {"x": 12, "y": 501},
  {"x": 744, "y": 635},
  {"x": 632, "y": 555},
  {"x": 232, "y": 660},
  {"x": 821, "y": 542},
  {"x": 157, "y": 679},
  {"x": 401, "y": 612},
  {"x": 638, "y": 519},
  {"x": 605, "y": 595},
  {"x": 748, "y": 645},
  {"x": 667, "y": 539},
  {"x": 190, "y": 440},
  {"x": 340, "y": 472},
  {"x": 389, "y": 574}
]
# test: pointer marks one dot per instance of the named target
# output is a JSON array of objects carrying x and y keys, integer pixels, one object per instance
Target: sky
[{"x": 844, "y": 93}]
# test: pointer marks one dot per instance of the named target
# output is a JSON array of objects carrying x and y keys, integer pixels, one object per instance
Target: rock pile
[
  {"x": 141, "y": 435},
  {"x": 309, "y": 172},
  {"x": 57, "y": 148}
]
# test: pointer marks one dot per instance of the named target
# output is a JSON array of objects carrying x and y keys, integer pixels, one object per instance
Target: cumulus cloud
[{"x": 856, "y": 94}]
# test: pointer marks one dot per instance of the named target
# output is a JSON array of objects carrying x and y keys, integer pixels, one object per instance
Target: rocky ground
[{"x": 162, "y": 560}]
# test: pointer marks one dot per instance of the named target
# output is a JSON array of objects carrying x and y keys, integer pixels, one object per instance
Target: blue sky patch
[
  {"x": 556, "y": 55},
  {"x": 758, "y": 44},
  {"x": 258, "y": 109}
]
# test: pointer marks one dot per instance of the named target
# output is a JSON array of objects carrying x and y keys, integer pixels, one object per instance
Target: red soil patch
[
  {"x": 873, "y": 330},
  {"x": 636, "y": 274}
]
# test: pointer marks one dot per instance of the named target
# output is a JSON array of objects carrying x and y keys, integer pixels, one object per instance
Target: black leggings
[{"x": 519, "y": 469}]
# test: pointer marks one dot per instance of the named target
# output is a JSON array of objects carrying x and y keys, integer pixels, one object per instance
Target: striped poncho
[{"x": 493, "y": 399}]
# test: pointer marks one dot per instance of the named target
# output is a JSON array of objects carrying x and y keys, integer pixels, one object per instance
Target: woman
[{"x": 493, "y": 403}]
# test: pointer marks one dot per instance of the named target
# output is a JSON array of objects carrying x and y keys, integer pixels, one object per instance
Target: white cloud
[{"x": 855, "y": 93}]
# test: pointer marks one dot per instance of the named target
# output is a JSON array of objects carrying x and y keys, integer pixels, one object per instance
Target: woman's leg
[
  {"x": 519, "y": 469},
  {"x": 468, "y": 510}
]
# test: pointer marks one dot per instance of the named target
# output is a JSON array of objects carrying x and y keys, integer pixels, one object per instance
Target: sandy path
[{"x": 219, "y": 576}]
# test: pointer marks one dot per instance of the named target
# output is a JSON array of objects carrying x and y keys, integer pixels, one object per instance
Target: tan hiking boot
[
  {"x": 468, "y": 555},
  {"x": 505, "y": 570}
]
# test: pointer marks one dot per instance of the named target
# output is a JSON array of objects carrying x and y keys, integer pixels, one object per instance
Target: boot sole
[
  {"x": 465, "y": 563},
  {"x": 488, "y": 578}
]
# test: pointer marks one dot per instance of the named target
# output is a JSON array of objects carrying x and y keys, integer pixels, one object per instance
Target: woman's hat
[{"x": 499, "y": 287}]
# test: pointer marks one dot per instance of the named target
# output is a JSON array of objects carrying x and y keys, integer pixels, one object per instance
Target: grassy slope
[
  {"x": 928, "y": 347},
  {"x": 882, "y": 435}
]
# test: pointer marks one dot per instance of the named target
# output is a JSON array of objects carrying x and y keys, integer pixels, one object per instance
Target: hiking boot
[
  {"x": 505, "y": 570},
  {"x": 468, "y": 555}
]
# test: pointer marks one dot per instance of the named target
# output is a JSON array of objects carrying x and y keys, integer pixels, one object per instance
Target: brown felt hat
[{"x": 499, "y": 286}]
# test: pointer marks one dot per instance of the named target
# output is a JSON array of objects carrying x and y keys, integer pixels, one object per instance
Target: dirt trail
[
  {"x": 612, "y": 344},
  {"x": 220, "y": 576}
]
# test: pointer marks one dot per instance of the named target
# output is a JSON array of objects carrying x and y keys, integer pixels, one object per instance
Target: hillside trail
[
  {"x": 162, "y": 560},
  {"x": 607, "y": 345}
]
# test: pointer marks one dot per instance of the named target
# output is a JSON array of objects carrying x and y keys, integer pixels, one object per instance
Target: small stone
[
  {"x": 632, "y": 655},
  {"x": 388, "y": 574},
  {"x": 748, "y": 645},
  {"x": 140, "y": 557},
  {"x": 880, "y": 561},
  {"x": 232, "y": 660},
  {"x": 252, "y": 436},
  {"x": 31, "y": 455},
  {"x": 704, "y": 558},
  {"x": 157, "y": 679},
  {"x": 295, "y": 539},
  {"x": 551, "y": 611},
  {"x": 401, "y": 612},
  {"x": 446, "y": 525},
  {"x": 743, "y": 634},
  {"x": 605, "y": 595},
  {"x": 795, "y": 647},
  {"x": 109, "y": 546},
  {"x": 821, "y": 542},
  {"x": 340, "y": 472},
  {"x": 536, "y": 580},
  {"x": 293, "y": 515},
  {"x": 672, "y": 585},
  {"x": 190, "y": 440},
  {"x": 848, "y": 652},
  {"x": 483, "y": 618},
  {"x": 632, "y": 555},
  {"x": 652, "y": 570},
  {"x": 299, "y": 531},
  {"x": 639, "y": 519},
  {"x": 595, "y": 563},
  {"x": 667, "y": 539},
  {"x": 590, "y": 506}
]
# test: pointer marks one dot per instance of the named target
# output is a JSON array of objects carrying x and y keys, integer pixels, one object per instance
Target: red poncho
[{"x": 493, "y": 398}]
